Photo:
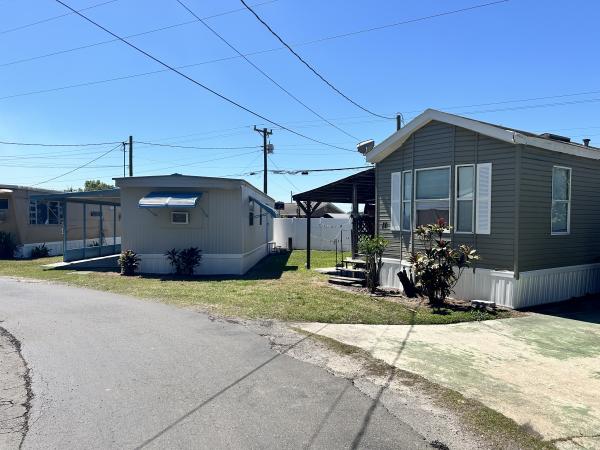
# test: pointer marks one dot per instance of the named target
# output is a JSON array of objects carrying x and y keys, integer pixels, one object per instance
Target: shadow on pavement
[{"x": 584, "y": 309}]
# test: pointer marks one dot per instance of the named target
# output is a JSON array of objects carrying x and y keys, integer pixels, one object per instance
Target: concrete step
[{"x": 346, "y": 281}]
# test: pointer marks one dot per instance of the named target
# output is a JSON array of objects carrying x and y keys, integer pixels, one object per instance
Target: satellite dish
[{"x": 365, "y": 147}]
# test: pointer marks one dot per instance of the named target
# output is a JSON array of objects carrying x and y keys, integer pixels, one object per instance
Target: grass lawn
[{"x": 278, "y": 288}]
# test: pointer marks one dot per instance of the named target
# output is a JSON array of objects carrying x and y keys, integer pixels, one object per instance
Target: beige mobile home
[
  {"x": 229, "y": 220},
  {"x": 36, "y": 216}
]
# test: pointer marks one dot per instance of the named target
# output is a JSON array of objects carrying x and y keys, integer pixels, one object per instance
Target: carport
[
  {"x": 355, "y": 189},
  {"x": 109, "y": 198}
]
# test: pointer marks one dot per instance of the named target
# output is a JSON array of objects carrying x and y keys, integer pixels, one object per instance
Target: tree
[
  {"x": 438, "y": 267},
  {"x": 96, "y": 185}
]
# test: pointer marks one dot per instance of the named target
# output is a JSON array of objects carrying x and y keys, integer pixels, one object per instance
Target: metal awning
[
  {"x": 170, "y": 200},
  {"x": 268, "y": 209}
]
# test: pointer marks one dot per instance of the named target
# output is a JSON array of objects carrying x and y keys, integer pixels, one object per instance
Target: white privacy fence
[{"x": 325, "y": 233}]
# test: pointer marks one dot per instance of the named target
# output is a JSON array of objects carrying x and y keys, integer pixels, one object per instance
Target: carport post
[
  {"x": 308, "y": 210},
  {"x": 101, "y": 230},
  {"x": 354, "y": 215},
  {"x": 64, "y": 208},
  {"x": 114, "y": 229},
  {"x": 84, "y": 227}
]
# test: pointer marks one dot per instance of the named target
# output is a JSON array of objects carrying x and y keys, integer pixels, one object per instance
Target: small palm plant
[
  {"x": 372, "y": 248},
  {"x": 129, "y": 262}
]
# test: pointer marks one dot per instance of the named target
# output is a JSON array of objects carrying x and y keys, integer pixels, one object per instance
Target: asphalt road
[{"x": 110, "y": 371}]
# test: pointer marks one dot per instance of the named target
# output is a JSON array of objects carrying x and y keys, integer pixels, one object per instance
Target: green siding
[
  {"x": 538, "y": 249},
  {"x": 440, "y": 144}
]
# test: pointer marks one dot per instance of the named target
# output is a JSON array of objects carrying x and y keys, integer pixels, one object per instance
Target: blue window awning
[
  {"x": 170, "y": 200},
  {"x": 268, "y": 209}
]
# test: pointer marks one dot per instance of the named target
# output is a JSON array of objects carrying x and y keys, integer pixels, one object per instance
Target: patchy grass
[
  {"x": 277, "y": 288},
  {"x": 498, "y": 429}
]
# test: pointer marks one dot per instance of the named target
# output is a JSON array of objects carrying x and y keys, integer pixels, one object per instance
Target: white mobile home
[{"x": 229, "y": 220}]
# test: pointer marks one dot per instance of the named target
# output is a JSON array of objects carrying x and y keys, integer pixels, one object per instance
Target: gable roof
[{"x": 510, "y": 135}]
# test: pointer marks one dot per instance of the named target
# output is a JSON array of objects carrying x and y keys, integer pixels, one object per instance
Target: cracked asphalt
[{"x": 109, "y": 371}]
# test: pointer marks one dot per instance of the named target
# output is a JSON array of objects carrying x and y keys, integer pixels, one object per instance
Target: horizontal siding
[
  {"x": 538, "y": 249},
  {"x": 439, "y": 144}
]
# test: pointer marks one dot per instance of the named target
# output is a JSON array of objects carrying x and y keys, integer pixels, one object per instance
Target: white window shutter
[
  {"x": 395, "y": 195},
  {"x": 483, "y": 209}
]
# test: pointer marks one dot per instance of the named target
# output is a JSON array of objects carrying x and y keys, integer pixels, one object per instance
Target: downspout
[{"x": 518, "y": 154}]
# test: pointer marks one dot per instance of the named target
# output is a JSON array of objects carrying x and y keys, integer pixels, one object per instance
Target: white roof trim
[{"x": 393, "y": 142}]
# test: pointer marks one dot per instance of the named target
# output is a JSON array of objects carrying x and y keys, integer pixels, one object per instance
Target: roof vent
[
  {"x": 555, "y": 137},
  {"x": 586, "y": 142}
]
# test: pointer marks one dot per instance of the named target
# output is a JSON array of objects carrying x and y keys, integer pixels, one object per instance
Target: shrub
[
  {"x": 8, "y": 246},
  {"x": 372, "y": 248},
  {"x": 40, "y": 251},
  {"x": 438, "y": 267},
  {"x": 129, "y": 261},
  {"x": 184, "y": 261}
]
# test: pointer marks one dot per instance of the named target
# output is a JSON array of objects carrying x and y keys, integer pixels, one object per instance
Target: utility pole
[
  {"x": 124, "y": 160},
  {"x": 265, "y": 134},
  {"x": 130, "y": 156}
]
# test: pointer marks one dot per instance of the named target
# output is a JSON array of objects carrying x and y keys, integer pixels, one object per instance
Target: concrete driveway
[
  {"x": 542, "y": 370},
  {"x": 113, "y": 372}
]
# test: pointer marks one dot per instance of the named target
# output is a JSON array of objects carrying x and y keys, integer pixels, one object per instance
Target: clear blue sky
[{"x": 519, "y": 49}]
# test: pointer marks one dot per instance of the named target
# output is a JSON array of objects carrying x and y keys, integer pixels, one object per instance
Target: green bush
[
  {"x": 40, "y": 251},
  {"x": 129, "y": 261},
  {"x": 8, "y": 246},
  {"x": 438, "y": 267},
  {"x": 372, "y": 248},
  {"x": 184, "y": 261}
]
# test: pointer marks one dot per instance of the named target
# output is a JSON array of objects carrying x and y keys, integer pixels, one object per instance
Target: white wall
[{"x": 323, "y": 236}]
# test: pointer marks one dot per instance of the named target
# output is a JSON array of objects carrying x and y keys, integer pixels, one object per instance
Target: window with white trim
[
  {"x": 561, "y": 200},
  {"x": 45, "y": 213},
  {"x": 180, "y": 218},
  {"x": 407, "y": 188},
  {"x": 464, "y": 214},
  {"x": 432, "y": 195}
]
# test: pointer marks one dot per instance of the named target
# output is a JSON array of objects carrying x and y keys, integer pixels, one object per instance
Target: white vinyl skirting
[
  {"x": 535, "y": 287},
  {"x": 211, "y": 264},
  {"x": 56, "y": 247}
]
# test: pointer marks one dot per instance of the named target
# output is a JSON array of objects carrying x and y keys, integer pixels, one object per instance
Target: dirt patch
[
  {"x": 15, "y": 392},
  {"x": 443, "y": 417}
]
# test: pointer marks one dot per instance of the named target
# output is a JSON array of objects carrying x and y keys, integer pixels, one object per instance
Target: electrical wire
[
  {"x": 21, "y": 27},
  {"x": 156, "y": 144},
  {"x": 59, "y": 145},
  {"x": 173, "y": 69},
  {"x": 79, "y": 167},
  {"x": 266, "y": 75},
  {"x": 291, "y": 183},
  {"x": 143, "y": 33},
  {"x": 311, "y": 68},
  {"x": 197, "y": 162}
]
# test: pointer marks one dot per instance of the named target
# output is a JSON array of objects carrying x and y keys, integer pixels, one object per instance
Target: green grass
[{"x": 278, "y": 288}]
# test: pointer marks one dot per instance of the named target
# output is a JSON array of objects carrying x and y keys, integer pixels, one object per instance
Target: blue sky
[{"x": 515, "y": 50}]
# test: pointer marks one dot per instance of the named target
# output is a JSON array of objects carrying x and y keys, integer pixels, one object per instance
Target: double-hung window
[
  {"x": 432, "y": 195},
  {"x": 465, "y": 197},
  {"x": 561, "y": 200},
  {"x": 407, "y": 188}
]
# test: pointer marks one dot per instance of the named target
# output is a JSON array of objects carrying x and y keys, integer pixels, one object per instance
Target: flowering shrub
[{"x": 438, "y": 267}]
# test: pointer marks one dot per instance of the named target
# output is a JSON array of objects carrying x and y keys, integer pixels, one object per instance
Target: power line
[
  {"x": 21, "y": 27},
  {"x": 173, "y": 69},
  {"x": 266, "y": 75},
  {"x": 58, "y": 145},
  {"x": 197, "y": 162},
  {"x": 143, "y": 33},
  {"x": 156, "y": 144},
  {"x": 311, "y": 68},
  {"x": 81, "y": 166}
]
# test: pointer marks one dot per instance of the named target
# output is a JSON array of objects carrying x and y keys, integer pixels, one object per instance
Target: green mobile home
[{"x": 529, "y": 203}]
